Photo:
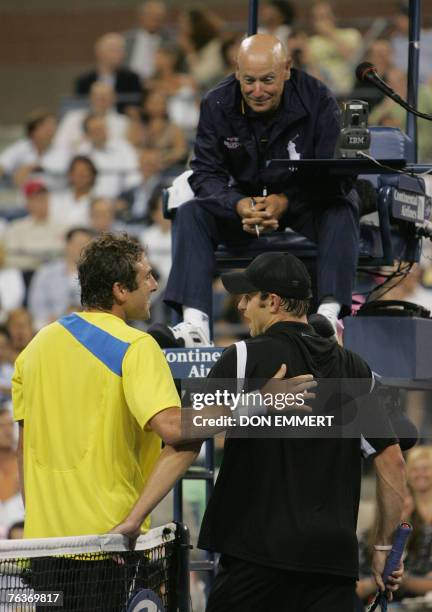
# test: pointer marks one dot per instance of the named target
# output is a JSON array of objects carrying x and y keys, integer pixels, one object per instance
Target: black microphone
[{"x": 367, "y": 73}]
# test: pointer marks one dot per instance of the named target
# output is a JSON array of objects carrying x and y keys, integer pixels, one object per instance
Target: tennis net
[{"x": 95, "y": 573}]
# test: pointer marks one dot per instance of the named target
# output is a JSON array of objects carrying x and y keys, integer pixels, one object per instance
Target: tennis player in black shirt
[{"x": 284, "y": 511}]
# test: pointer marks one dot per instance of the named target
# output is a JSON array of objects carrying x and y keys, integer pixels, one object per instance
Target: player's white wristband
[{"x": 380, "y": 547}]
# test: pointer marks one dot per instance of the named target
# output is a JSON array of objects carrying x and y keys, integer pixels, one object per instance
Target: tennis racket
[{"x": 393, "y": 560}]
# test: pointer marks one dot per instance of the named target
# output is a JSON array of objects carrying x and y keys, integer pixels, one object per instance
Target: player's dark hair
[
  {"x": 108, "y": 259},
  {"x": 293, "y": 306}
]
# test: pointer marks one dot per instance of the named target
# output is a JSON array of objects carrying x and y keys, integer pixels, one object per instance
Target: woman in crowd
[
  {"x": 179, "y": 86},
  {"x": 201, "y": 42},
  {"x": 71, "y": 207},
  {"x": 229, "y": 50},
  {"x": 417, "y": 579},
  {"x": 277, "y": 17},
  {"x": 160, "y": 134}
]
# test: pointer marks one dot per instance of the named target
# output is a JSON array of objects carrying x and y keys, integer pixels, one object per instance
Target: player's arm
[
  {"x": 18, "y": 411},
  {"x": 390, "y": 492},
  {"x": 20, "y": 459},
  {"x": 171, "y": 465},
  {"x": 176, "y": 426}
]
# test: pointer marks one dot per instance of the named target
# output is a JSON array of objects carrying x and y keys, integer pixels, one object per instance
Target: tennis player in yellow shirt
[{"x": 94, "y": 397}]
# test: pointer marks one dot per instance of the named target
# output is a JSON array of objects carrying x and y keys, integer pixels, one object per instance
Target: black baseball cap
[{"x": 280, "y": 273}]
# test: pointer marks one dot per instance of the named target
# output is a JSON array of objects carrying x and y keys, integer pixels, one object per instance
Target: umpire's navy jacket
[{"x": 229, "y": 164}]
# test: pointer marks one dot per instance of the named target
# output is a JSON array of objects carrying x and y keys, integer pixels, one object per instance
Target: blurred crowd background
[{"x": 98, "y": 113}]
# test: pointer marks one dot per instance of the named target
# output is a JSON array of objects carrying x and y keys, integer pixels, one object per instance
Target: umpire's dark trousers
[{"x": 201, "y": 224}]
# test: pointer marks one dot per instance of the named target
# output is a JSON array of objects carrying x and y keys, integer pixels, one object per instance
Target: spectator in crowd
[
  {"x": 408, "y": 289},
  {"x": 299, "y": 49},
  {"x": 177, "y": 85},
  {"x": 71, "y": 207},
  {"x": 11, "y": 506},
  {"x": 12, "y": 288},
  {"x": 54, "y": 289},
  {"x": 16, "y": 531},
  {"x": 102, "y": 216},
  {"x": 201, "y": 42},
  {"x": 20, "y": 328},
  {"x": 333, "y": 48},
  {"x": 380, "y": 54},
  {"x": 115, "y": 160},
  {"x": 277, "y": 17},
  {"x": 101, "y": 102},
  {"x": 399, "y": 42},
  {"x": 418, "y": 563},
  {"x": 35, "y": 152},
  {"x": 34, "y": 239},
  {"x": 110, "y": 55},
  {"x": 6, "y": 365},
  {"x": 391, "y": 114},
  {"x": 133, "y": 204},
  {"x": 157, "y": 239},
  {"x": 143, "y": 42},
  {"x": 230, "y": 48},
  {"x": 162, "y": 136},
  {"x": 417, "y": 579}
]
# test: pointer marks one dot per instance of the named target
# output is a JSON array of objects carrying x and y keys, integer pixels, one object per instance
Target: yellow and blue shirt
[{"x": 86, "y": 386}]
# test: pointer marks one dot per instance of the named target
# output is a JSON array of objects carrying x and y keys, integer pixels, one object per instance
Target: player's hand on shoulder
[{"x": 300, "y": 387}]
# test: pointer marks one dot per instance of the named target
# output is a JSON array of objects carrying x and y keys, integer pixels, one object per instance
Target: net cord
[{"x": 74, "y": 545}]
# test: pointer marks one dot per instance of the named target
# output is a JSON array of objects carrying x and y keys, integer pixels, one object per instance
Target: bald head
[
  {"x": 262, "y": 48},
  {"x": 263, "y": 66},
  {"x": 152, "y": 16},
  {"x": 110, "y": 50}
]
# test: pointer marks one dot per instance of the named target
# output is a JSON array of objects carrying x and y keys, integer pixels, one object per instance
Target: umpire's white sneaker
[{"x": 193, "y": 336}]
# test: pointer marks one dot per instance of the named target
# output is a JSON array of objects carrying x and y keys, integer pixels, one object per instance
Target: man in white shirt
[
  {"x": 34, "y": 239},
  {"x": 71, "y": 207},
  {"x": 116, "y": 160},
  {"x": 143, "y": 42},
  {"x": 35, "y": 152},
  {"x": 102, "y": 102},
  {"x": 54, "y": 289},
  {"x": 102, "y": 216},
  {"x": 110, "y": 55}
]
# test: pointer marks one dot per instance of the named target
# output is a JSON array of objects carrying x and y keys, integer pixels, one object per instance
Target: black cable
[{"x": 399, "y": 273}]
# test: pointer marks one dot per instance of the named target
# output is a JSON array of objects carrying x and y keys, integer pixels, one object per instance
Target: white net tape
[{"x": 46, "y": 547}]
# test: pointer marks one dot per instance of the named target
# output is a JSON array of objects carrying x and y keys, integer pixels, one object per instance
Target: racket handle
[{"x": 395, "y": 556}]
